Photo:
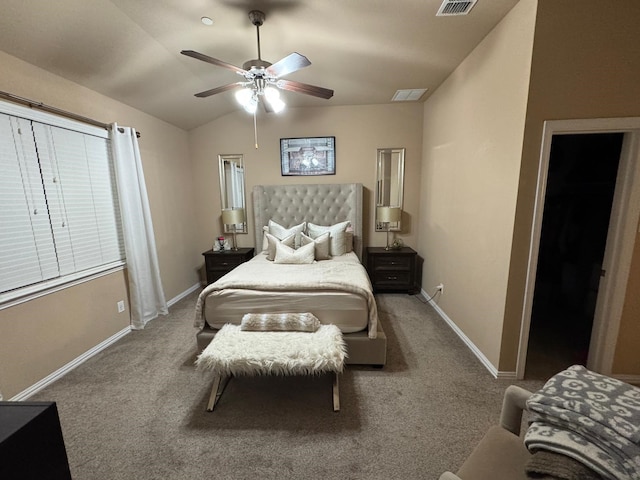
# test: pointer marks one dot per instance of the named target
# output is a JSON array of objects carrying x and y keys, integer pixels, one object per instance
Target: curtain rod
[{"x": 57, "y": 111}]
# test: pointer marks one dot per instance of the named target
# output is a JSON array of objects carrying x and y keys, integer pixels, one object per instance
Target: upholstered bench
[{"x": 234, "y": 352}]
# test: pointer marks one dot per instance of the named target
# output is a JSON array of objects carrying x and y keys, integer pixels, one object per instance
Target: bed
[{"x": 262, "y": 286}]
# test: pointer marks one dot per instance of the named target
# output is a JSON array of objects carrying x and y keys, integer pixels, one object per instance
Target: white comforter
[{"x": 341, "y": 273}]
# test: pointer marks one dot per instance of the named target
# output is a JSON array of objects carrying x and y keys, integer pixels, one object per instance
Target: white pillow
[
  {"x": 302, "y": 255},
  {"x": 273, "y": 241},
  {"x": 281, "y": 232},
  {"x": 321, "y": 243},
  {"x": 338, "y": 240}
]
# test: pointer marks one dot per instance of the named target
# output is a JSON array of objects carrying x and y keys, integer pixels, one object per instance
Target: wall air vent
[{"x": 455, "y": 7}]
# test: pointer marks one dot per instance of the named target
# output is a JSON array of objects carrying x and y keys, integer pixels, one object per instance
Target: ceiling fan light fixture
[
  {"x": 277, "y": 105},
  {"x": 271, "y": 93},
  {"x": 272, "y": 97},
  {"x": 244, "y": 95},
  {"x": 251, "y": 106},
  {"x": 248, "y": 99}
]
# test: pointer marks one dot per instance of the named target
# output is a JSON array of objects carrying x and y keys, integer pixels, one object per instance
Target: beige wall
[
  {"x": 586, "y": 64},
  {"x": 68, "y": 323},
  {"x": 359, "y": 132},
  {"x": 473, "y": 133},
  {"x": 40, "y": 336},
  {"x": 626, "y": 359}
]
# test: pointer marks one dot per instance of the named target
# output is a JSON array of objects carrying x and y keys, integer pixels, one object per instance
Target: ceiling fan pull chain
[{"x": 255, "y": 130}]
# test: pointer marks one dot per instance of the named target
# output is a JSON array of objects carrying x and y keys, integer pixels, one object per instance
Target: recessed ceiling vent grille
[
  {"x": 409, "y": 95},
  {"x": 455, "y": 7}
]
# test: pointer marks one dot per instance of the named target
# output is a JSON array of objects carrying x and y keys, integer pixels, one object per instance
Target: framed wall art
[{"x": 308, "y": 156}]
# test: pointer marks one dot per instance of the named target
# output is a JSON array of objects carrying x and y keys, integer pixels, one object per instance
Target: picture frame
[{"x": 308, "y": 156}]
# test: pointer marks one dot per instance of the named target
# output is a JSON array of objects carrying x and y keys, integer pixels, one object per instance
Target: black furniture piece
[
  {"x": 31, "y": 443},
  {"x": 219, "y": 263},
  {"x": 393, "y": 270}
]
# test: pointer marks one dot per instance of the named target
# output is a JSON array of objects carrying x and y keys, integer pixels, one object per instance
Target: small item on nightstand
[
  {"x": 220, "y": 243},
  {"x": 397, "y": 244}
]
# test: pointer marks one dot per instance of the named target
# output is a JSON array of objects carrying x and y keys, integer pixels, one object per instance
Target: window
[{"x": 59, "y": 216}]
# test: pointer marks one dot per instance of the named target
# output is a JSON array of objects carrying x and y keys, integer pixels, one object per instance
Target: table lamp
[
  {"x": 388, "y": 215},
  {"x": 233, "y": 216}
]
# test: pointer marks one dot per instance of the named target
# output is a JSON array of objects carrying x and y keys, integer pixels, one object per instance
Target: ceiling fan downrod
[{"x": 257, "y": 18}]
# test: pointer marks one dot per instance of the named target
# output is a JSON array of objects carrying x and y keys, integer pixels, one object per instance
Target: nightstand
[
  {"x": 392, "y": 270},
  {"x": 219, "y": 263}
]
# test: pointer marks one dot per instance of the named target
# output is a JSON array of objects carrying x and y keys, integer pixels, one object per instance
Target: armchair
[{"x": 501, "y": 453}]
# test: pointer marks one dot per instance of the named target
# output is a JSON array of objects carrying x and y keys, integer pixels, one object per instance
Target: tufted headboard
[{"x": 322, "y": 204}]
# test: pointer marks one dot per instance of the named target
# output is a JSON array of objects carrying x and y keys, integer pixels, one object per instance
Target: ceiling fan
[{"x": 261, "y": 78}]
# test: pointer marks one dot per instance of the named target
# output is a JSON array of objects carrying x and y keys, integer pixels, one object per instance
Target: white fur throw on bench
[
  {"x": 281, "y": 322},
  {"x": 234, "y": 351}
]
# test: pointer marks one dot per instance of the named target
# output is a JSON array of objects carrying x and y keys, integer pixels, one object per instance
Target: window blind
[{"x": 58, "y": 203}]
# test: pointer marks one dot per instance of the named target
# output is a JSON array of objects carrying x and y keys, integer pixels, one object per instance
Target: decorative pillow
[
  {"x": 280, "y": 322},
  {"x": 321, "y": 243},
  {"x": 273, "y": 241},
  {"x": 281, "y": 232},
  {"x": 302, "y": 255},
  {"x": 265, "y": 243},
  {"x": 348, "y": 237},
  {"x": 338, "y": 242}
]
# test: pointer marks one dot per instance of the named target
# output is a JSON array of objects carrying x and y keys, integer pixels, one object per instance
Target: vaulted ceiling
[{"x": 129, "y": 50}]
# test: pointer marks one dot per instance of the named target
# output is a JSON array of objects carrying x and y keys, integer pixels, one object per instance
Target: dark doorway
[{"x": 579, "y": 195}]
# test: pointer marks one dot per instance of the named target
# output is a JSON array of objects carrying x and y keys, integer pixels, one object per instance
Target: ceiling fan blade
[
  {"x": 214, "y": 61},
  {"x": 288, "y": 64},
  {"x": 305, "y": 88},
  {"x": 213, "y": 91}
]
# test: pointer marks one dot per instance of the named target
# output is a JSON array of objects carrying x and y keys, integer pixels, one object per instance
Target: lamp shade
[
  {"x": 232, "y": 216},
  {"x": 388, "y": 214}
]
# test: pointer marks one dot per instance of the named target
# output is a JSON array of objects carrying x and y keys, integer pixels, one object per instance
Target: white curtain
[{"x": 145, "y": 286}]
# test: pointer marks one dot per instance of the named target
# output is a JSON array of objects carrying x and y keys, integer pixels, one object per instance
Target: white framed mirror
[
  {"x": 232, "y": 189},
  {"x": 389, "y": 183}
]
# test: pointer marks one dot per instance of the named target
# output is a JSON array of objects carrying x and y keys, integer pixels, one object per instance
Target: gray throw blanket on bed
[{"x": 591, "y": 418}]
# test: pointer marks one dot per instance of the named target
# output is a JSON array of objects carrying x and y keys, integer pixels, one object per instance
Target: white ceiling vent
[
  {"x": 455, "y": 7},
  {"x": 410, "y": 95}
]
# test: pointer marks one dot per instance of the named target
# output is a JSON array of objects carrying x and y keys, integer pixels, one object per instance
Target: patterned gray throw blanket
[{"x": 591, "y": 418}]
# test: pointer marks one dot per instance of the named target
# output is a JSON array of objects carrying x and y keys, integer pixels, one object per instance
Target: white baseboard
[
  {"x": 475, "y": 350},
  {"x": 187, "y": 292},
  {"x": 631, "y": 379},
  {"x": 61, "y": 372}
]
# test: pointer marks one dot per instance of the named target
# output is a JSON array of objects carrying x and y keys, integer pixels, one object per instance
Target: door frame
[{"x": 623, "y": 225}]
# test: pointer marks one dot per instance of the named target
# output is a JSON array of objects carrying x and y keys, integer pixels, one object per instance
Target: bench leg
[
  {"x": 336, "y": 393},
  {"x": 219, "y": 384}
]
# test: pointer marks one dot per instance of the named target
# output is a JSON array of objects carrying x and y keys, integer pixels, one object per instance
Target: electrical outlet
[
  {"x": 440, "y": 288},
  {"x": 121, "y": 306}
]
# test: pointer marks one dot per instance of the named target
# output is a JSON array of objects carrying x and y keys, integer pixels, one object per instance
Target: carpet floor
[{"x": 137, "y": 409}]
